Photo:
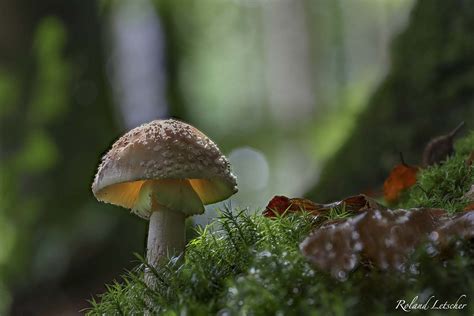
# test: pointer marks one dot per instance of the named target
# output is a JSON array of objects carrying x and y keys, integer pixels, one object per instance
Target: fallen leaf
[
  {"x": 439, "y": 148},
  {"x": 282, "y": 205},
  {"x": 461, "y": 226},
  {"x": 301, "y": 204},
  {"x": 277, "y": 206},
  {"x": 383, "y": 238},
  {"x": 373, "y": 192},
  {"x": 354, "y": 204},
  {"x": 469, "y": 207},
  {"x": 401, "y": 178}
]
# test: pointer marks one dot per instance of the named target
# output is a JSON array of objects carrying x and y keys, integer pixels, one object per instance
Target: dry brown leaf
[
  {"x": 383, "y": 238},
  {"x": 439, "y": 148},
  {"x": 354, "y": 204},
  {"x": 280, "y": 205},
  {"x": 460, "y": 226},
  {"x": 283, "y": 205},
  {"x": 469, "y": 207}
]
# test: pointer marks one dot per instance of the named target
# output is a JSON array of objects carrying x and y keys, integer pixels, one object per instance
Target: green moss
[
  {"x": 443, "y": 186},
  {"x": 251, "y": 265}
]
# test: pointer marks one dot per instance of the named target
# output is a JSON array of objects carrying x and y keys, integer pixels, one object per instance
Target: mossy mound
[
  {"x": 254, "y": 266},
  {"x": 444, "y": 186},
  {"x": 250, "y": 264}
]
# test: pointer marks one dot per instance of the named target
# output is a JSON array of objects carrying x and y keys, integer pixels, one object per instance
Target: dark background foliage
[
  {"x": 428, "y": 92},
  {"x": 284, "y": 87}
]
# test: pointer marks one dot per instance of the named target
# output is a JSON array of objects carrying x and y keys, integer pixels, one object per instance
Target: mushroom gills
[
  {"x": 142, "y": 206},
  {"x": 173, "y": 194},
  {"x": 178, "y": 195}
]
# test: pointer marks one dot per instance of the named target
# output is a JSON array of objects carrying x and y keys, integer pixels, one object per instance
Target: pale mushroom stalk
[
  {"x": 166, "y": 235},
  {"x": 168, "y": 202}
]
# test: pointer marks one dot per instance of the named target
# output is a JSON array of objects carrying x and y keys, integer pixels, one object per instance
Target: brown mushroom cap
[{"x": 163, "y": 149}]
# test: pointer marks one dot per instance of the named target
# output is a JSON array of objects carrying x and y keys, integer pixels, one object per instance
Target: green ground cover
[{"x": 247, "y": 264}]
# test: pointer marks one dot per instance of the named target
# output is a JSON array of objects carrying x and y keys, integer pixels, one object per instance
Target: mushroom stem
[{"x": 166, "y": 237}]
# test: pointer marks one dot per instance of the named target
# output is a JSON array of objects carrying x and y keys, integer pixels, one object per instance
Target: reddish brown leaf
[
  {"x": 401, "y": 178},
  {"x": 460, "y": 226},
  {"x": 353, "y": 204},
  {"x": 469, "y": 207},
  {"x": 300, "y": 204},
  {"x": 373, "y": 192},
  {"x": 277, "y": 205},
  {"x": 384, "y": 238},
  {"x": 282, "y": 205},
  {"x": 361, "y": 202}
]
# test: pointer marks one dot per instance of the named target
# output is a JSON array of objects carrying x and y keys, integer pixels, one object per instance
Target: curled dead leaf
[
  {"x": 439, "y": 148},
  {"x": 282, "y": 205},
  {"x": 383, "y": 238},
  {"x": 460, "y": 226},
  {"x": 469, "y": 207},
  {"x": 359, "y": 203}
]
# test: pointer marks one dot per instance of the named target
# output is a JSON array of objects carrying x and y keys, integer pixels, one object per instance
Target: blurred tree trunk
[
  {"x": 52, "y": 133},
  {"x": 428, "y": 91},
  {"x": 138, "y": 68},
  {"x": 288, "y": 57},
  {"x": 174, "y": 54}
]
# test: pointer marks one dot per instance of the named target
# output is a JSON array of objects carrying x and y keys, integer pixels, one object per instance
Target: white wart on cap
[{"x": 163, "y": 150}]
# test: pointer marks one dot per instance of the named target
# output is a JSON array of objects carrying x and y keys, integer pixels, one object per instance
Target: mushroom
[{"x": 164, "y": 171}]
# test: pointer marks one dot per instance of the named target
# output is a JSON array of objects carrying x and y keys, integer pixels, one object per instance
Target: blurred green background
[{"x": 284, "y": 87}]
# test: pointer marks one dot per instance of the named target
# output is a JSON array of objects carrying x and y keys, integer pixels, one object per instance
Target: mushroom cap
[{"x": 163, "y": 149}]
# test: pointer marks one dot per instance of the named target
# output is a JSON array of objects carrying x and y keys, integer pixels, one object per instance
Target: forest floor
[{"x": 260, "y": 265}]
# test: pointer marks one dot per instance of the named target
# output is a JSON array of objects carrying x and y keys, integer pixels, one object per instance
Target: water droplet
[
  {"x": 265, "y": 253},
  {"x": 341, "y": 275},
  {"x": 434, "y": 236},
  {"x": 377, "y": 215},
  {"x": 389, "y": 242},
  {"x": 233, "y": 291},
  {"x": 414, "y": 269},
  {"x": 358, "y": 246},
  {"x": 402, "y": 219},
  {"x": 431, "y": 250}
]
